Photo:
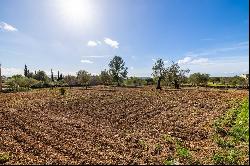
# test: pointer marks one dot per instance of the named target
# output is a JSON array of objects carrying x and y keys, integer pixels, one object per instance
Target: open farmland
[{"x": 112, "y": 125}]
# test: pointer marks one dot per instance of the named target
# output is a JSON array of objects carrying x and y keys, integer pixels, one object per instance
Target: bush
[
  {"x": 37, "y": 85},
  {"x": 62, "y": 91},
  {"x": 19, "y": 83},
  {"x": 4, "y": 157}
]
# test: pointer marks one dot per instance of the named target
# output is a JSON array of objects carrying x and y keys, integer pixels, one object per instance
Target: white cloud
[
  {"x": 91, "y": 43},
  {"x": 6, "y": 27},
  {"x": 11, "y": 71},
  {"x": 186, "y": 60},
  {"x": 219, "y": 66},
  {"x": 165, "y": 62},
  {"x": 199, "y": 61},
  {"x": 190, "y": 60},
  {"x": 95, "y": 56},
  {"x": 86, "y": 61},
  {"x": 111, "y": 43}
]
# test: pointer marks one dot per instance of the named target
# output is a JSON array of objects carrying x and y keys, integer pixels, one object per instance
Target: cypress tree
[
  {"x": 58, "y": 76},
  {"x": 25, "y": 71},
  {"x": 52, "y": 76},
  {"x": 61, "y": 76}
]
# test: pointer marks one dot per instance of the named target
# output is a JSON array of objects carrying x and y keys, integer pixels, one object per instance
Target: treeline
[{"x": 116, "y": 75}]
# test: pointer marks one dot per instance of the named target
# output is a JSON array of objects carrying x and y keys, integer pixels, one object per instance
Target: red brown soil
[{"x": 107, "y": 126}]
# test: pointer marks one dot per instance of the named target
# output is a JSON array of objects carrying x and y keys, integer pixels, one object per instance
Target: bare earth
[{"x": 110, "y": 125}]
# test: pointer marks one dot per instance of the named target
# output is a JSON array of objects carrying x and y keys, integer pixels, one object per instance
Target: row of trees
[{"x": 172, "y": 75}]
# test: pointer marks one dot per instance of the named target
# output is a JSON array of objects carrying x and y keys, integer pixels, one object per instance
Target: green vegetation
[
  {"x": 4, "y": 157},
  {"x": 143, "y": 144},
  {"x": 232, "y": 136},
  {"x": 168, "y": 138},
  {"x": 171, "y": 76},
  {"x": 106, "y": 78},
  {"x": 117, "y": 70},
  {"x": 83, "y": 78},
  {"x": 182, "y": 151},
  {"x": 135, "y": 82},
  {"x": 199, "y": 79},
  {"x": 170, "y": 162},
  {"x": 175, "y": 76},
  {"x": 62, "y": 91}
]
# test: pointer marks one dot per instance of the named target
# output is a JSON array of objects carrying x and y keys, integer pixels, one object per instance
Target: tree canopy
[
  {"x": 117, "y": 69},
  {"x": 175, "y": 75}
]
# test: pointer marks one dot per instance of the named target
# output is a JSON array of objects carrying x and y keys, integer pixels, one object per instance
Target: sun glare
[{"x": 77, "y": 11}]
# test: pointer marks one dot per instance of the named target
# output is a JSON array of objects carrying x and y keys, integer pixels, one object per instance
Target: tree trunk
[
  {"x": 159, "y": 83},
  {"x": 176, "y": 85},
  {"x": 118, "y": 83}
]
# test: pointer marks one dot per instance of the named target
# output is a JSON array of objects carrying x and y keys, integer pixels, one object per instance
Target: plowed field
[{"x": 111, "y": 126}]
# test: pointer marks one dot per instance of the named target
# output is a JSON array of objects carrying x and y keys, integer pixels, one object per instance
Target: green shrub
[
  {"x": 4, "y": 157},
  {"x": 62, "y": 91}
]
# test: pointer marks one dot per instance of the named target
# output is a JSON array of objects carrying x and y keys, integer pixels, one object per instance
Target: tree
[
  {"x": 70, "y": 80},
  {"x": 18, "y": 81},
  {"x": 83, "y": 77},
  {"x": 149, "y": 81},
  {"x": 117, "y": 69},
  {"x": 135, "y": 81},
  {"x": 199, "y": 79},
  {"x": 52, "y": 76},
  {"x": 158, "y": 72},
  {"x": 237, "y": 80},
  {"x": 30, "y": 75},
  {"x": 25, "y": 70},
  {"x": 94, "y": 80},
  {"x": 105, "y": 77},
  {"x": 28, "y": 82},
  {"x": 41, "y": 76},
  {"x": 174, "y": 75},
  {"x": 61, "y": 77},
  {"x": 58, "y": 76},
  {"x": 214, "y": 79}
]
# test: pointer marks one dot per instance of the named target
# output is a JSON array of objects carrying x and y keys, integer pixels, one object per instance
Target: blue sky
[{"x": 208, "y": 36}]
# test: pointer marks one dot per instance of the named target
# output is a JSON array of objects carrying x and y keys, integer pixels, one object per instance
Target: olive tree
[
  {"x": 70, "y": 80},
  {"x": 174, "y": 75},
  {"x": 105, "y": 77},
  {"x": 41, "y": 76},
  {"x": 83, "y": 77},
  {"x": 199, "y": 79},
  {"x": 158, "y": 72},
  {"x": 117, "y": 69}
]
